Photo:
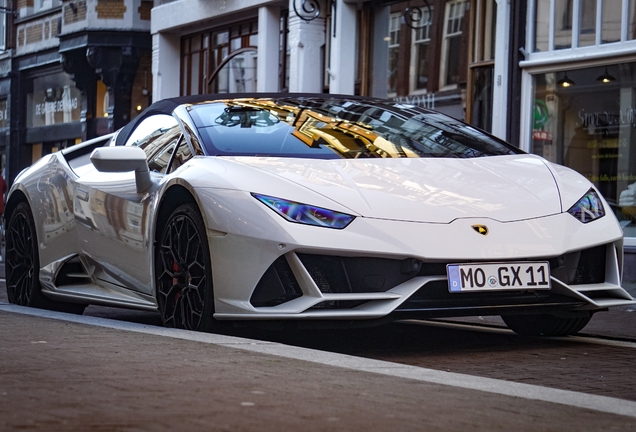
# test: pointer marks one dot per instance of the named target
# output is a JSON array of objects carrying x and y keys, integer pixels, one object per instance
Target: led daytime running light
[
  {"x": 306, "y": 214},
  {"x": 588, "y": 208}
]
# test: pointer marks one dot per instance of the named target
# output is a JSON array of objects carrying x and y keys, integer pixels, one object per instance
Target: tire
[
  {"x": 23, "y": 265},
  {"x": 546, "y": 325},
  {"x": 183, "y": 272}
]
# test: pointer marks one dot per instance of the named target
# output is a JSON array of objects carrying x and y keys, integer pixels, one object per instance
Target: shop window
[
  {"x": 591, "y": 128},
  {"x": 53, "y": 99},
  {"x": 420, "y": 54},
  {"x": 202, "y": 53},
  {"x": 451, "y": 45},
  {"x": 394, "y": 50}
]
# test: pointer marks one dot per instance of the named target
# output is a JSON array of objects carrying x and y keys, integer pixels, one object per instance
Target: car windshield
[{"x": 332, "y": 128}]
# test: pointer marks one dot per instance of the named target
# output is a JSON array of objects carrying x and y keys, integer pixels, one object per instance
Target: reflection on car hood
[{"x": 437, "y": 190}]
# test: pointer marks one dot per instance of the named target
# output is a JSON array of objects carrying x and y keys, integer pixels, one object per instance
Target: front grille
[
  {"x": 343, "y": 275},
  {"x": 334, "y": 274},
  {"x": 586, "y": 266}
]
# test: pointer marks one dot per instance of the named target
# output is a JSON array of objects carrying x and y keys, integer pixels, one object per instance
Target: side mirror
[{"x": 123, "y": 159}]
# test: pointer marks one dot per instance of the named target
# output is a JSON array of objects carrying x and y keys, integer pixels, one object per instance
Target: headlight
[
  {"x": 588, "y": 208},
  {"x": 306, "y": 214}
]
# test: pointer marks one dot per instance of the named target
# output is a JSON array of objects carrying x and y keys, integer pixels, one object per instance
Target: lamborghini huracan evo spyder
[{"x": 313, "y": 209}]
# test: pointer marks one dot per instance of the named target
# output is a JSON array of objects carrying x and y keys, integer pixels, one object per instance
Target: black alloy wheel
[
  {"x": 183, "y": 272},
  {"x": 23, "y": 265}
]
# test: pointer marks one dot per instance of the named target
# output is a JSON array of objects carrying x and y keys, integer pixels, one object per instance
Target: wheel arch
[
  {"x": 17, "y": 197},
  {"x": 172, "y": 198}
]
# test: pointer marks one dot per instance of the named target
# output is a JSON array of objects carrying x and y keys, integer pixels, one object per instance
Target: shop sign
[
  {"x": 425, "y": 101},
  {"x": 604, "y": 118},
  {"x": 55, "y": 100}
]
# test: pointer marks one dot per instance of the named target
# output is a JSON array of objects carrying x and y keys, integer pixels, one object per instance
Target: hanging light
[
  {"x": 565, "y": 82},
  {"x": 606, "y": 77}
]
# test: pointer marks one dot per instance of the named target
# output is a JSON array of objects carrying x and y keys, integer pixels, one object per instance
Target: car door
[{"x": 114, "y": 232}]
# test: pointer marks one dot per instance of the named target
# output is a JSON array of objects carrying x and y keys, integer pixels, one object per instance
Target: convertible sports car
[{"x": 314, "y": 209}]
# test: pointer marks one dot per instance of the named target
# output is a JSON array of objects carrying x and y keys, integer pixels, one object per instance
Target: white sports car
[{"x": 313, "y": 209}]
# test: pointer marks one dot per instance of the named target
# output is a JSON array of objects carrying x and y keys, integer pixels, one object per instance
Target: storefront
[
  {"x": 579, "y": 96},
  {"x": 586, "y": 119},
  {"x": 53, "y": 108}
]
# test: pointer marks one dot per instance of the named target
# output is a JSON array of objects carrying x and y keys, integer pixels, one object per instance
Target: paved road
[{"x": 64, "y": 372}]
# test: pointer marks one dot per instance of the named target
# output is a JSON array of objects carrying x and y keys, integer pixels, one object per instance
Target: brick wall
[
  {"x": 24, "y": 3},
  {"x": 71, "y": 17},
  {"x": 110, "y": 9},
  {"x": 34, "y": 33},
  {"x": 144, "y": 10}
]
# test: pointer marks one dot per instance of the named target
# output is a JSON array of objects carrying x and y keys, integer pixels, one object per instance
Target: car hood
[{"x": 437, "y": 190}]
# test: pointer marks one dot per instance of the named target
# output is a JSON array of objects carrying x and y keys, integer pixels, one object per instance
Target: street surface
[{"x": 115, "y": 369}]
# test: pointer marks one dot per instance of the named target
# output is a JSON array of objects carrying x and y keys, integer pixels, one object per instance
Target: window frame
[
  {"x": 5, "y": 5},
  {"x": 211, "y": 52},
  {"x": 627, "y": 8},
  {"x": 415, "y": 42},
  {"x": 457, "y": 21},
  {"x": 393, "y": 43}
]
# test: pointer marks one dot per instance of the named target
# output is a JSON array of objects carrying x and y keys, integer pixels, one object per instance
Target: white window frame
[
  {"x": 395, "y": 22},
  {"x": 576, "y": 53},
  {"x": 3, "y": 24},
  {"x": 458, "y": 7},
  {"x": 421, "y": 35}
]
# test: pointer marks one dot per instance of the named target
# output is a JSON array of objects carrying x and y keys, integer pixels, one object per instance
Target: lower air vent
[
  {"x": 72, "y": 273},
  {"x": 334, "y": 274},
  {"x": 581, "y": 267},
  {"x": 337, "y": 304},
  {"x": 591, "y": 266},
  {"x": 278, "y": 285}
]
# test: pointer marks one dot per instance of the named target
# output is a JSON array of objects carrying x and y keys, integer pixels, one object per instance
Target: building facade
[
  {"x": 78, "y": 69},
  {"x": 417, "y": 51}
]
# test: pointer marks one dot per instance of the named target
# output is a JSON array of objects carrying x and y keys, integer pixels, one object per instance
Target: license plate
[{"x": 498, "y": 276}]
